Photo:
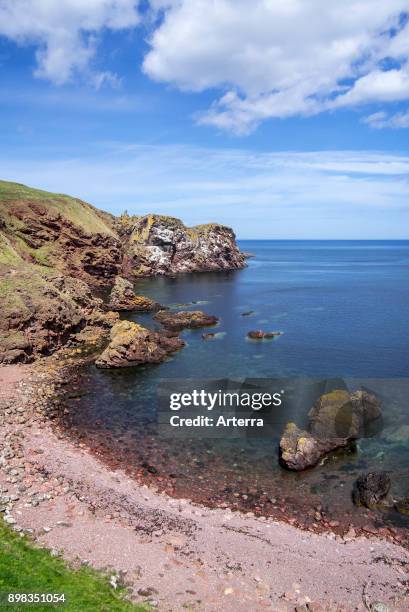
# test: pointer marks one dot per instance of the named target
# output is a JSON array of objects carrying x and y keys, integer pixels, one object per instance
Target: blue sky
[{"x": 283, "y": 119}]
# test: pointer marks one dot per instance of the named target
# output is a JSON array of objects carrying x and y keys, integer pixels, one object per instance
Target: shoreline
[{"x": 173, "y": 552}]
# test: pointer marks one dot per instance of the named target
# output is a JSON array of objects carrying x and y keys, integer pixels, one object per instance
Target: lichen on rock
[
  {"x": 159, "y": 244},
  {"x": 132, "y": 345},
  {"x": 176, "y": 321},
  {"x": 123, "y": 298},
  {"x": 336, "y": 419}
]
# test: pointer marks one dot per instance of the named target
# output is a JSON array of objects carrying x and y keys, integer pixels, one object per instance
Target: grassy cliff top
[{"x": 80, "y": 213}]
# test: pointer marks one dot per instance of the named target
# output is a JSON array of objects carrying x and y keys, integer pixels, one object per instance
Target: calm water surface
[{"x": 343, "y": 310}]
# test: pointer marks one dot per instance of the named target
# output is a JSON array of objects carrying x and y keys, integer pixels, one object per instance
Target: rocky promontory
[
  {"x": 59, "y": 255},
  {"x": 157, "y": 244}
]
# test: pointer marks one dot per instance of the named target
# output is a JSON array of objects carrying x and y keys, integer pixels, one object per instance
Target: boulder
[
  {"x": 176, "y": 321},
  {"x": 299, "y": 450},
  {"x": 339, "y": 414},
  {"x": 336, "y": 419},
  {"x": 132, "y": 345},
  {"x": 123, "y": 297},
  {"x": 402, "y": 506},
  {"x": 370, "y": 489}
]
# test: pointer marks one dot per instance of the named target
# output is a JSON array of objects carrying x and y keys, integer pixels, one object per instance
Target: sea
[{"x": 342, "y": 308}]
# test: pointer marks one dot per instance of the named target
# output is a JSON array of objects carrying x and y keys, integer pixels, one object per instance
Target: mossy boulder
[
  {"x": 132, "y": 345},
  {"x": 339, "y": 414}
]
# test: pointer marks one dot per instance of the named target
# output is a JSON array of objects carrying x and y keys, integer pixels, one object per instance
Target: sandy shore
[{"x": 171, "y": 552}]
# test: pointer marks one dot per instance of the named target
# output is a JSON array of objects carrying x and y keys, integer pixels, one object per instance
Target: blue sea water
[{"x": 343, "y": 308}]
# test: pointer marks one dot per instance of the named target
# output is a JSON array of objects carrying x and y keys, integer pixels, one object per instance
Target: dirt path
[{"x": 177, "y": 555}]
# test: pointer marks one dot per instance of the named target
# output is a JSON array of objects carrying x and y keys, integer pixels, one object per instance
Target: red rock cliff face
[
  {"x": 43, "y": 235},
  {"x": 58, "y": 252}
]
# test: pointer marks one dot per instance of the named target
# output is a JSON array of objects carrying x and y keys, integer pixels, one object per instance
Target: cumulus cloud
[
  {"x": 261, "y": 59},
  {"x": 279, "y": 58},
  {"x": 65, "y": 32}
]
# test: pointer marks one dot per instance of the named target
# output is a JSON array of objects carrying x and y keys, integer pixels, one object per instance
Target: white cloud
[
  {"x": 382, "y": 120},
  {"x": 278, "y": 58},
  {"x": 272, "y": 195},
  {"x": 65, "y": 32}
]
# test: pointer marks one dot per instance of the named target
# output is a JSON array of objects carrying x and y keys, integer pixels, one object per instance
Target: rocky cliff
[
  {"x": 156, "y": 244},
  {"x": 58, "y": 252}
]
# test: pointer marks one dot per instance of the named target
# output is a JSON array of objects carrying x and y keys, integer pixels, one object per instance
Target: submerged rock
[
  {"x": 370, "y": 489},
  {"x": 402, "y": 506},
  {"x": 336, "y": 419},
  {"x": 300, "y": 450},
  {"x": 176, "y": 321},
  {"x": 132, "y": 345},
  {"x": 123, "y": 298}
]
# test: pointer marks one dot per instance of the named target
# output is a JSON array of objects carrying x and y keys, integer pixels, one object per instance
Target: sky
[{"x": 284, "y": 119}]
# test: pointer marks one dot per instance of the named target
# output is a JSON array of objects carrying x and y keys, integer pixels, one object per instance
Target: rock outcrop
[
  {"x": 335, "y": 420},
  {"x": 132, "y": 345},
  {"x": 44, "y": 236},
  {"x": 123, "y": 298},
  {"x": 371, "y": 489},
  {"x": 42, "y": 312},
  {"x": 176, "y": 321},
  {"x": 164, "y": 245},
  {"x": 262, "y": 335}
]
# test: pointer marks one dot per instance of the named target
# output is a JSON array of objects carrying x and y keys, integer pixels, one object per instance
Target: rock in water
[
  {"x": 367, "y": 408},
  {"x": 261, "y": 335},
  {"x": 176, "y": 321},
  {"x": 336, "y": 419},
  {"x": 299, "y": 450},
  {"x": 132, "y": 345},
  {"x": 123, "y": 298},
  {"x": 402, "y": 506},
  {"x": 339, "y": 414},
  {"x": 370, "y": 489}
]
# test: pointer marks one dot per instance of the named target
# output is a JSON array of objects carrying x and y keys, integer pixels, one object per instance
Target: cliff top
[{"x": 16, "y": 195}]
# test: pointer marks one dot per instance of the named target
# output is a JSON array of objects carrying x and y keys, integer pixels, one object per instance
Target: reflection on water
[{"x": 343, "y": 310}]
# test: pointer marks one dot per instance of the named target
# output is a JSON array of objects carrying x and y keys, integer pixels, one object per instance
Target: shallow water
[{"x": 343, "y": 311}]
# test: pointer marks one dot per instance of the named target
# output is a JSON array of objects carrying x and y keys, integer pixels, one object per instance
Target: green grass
[
  {"x": 78, "y": 212},
  {"x": 8, "y": 255},
  {"x": 25, "y": 568}
]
